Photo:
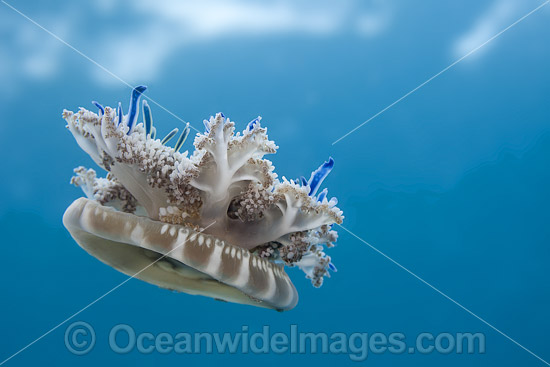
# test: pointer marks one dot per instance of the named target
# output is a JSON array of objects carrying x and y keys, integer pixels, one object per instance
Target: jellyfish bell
[
  {"x": 217, "y": 223},
  {"x": 178, "y": 257}
]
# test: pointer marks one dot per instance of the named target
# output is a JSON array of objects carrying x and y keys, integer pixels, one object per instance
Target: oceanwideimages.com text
[{"x": 80, "y": 338}]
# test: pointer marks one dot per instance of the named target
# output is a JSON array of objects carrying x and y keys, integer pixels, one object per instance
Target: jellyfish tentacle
[
  {"x": 133, "y": 110},
  {"x": 148, "y": 118},
  {"x": 100, "y": 107},
  {"x": 169, "y": 136},
  {"x": 182, "y": 138},
  {"x": 318, "y": 176}
]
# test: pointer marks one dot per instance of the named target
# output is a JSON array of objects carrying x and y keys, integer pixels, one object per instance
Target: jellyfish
[{"x": 217, "y": 222}]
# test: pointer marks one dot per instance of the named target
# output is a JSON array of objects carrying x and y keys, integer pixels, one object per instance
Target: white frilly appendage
[{"x": 226, "y": 181}]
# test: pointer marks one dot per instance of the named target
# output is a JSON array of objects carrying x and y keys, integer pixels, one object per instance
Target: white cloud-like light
[
  {"x": 500, "y": 14},
  {"x": 30, "y": 53},
  {"x": 159, "y": 28},
  {"x": 175, "y": 24}
]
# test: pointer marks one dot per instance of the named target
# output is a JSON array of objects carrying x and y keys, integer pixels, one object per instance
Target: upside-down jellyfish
[{"x": 217, "y": 223}]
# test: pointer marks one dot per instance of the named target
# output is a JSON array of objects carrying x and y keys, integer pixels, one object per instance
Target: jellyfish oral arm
[
  {"x": 152, "y": 199},
  {"x": 229, "y": 163}
]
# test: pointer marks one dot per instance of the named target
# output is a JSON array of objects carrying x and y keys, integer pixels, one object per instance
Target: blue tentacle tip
[
  {"x": 322, "y": 195},
  {"x": 253, "y": 123},
  {"x": 319, "y": 175},
  {"x": 99, "y": 106},
  {"x": 120, "y": 114},
  {"x": 133, "y": 109},
  {"x": 148, "y": 118}
]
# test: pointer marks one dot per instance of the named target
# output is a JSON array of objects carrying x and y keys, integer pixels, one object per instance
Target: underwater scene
[{"x": 278, "y": 182}]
